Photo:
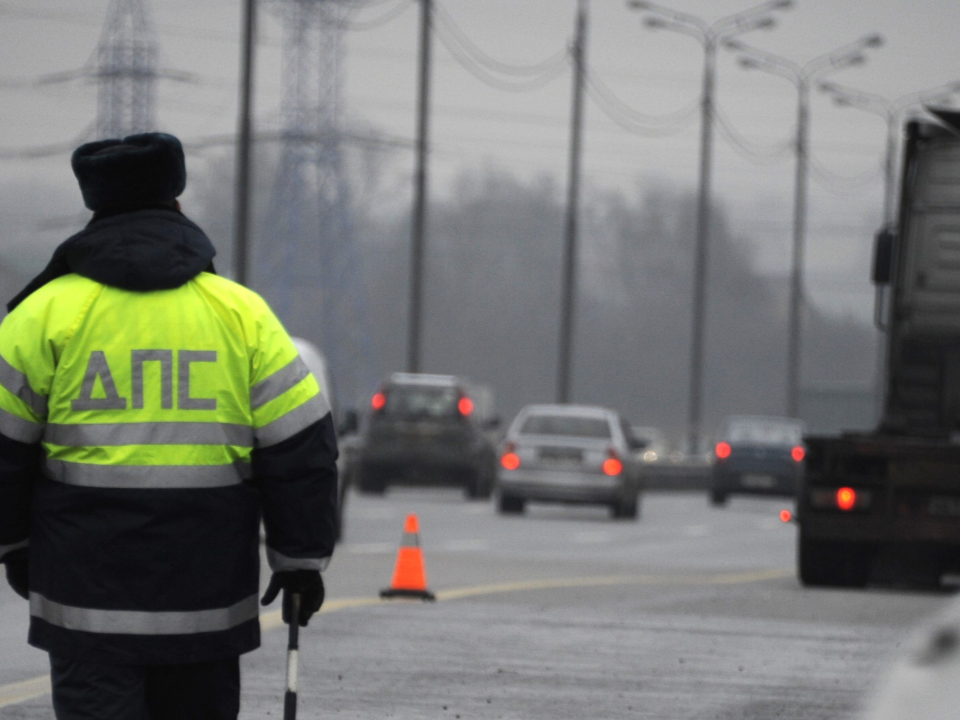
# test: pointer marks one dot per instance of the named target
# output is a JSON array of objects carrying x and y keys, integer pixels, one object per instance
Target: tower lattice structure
[
  {"x": 126, "y": 70},
  {"x": 308, "y": 264}
]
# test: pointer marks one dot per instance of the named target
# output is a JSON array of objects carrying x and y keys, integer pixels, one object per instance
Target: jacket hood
[{"x": 151, "y": 249}]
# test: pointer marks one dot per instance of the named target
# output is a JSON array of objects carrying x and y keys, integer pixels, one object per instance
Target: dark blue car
[{"x": 757, "y": 455}]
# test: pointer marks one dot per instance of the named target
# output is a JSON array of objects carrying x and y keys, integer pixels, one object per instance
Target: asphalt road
[{"x": 690, "y": 612}]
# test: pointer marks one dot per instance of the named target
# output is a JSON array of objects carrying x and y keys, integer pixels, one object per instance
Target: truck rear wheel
[{"x": 822, "y": 563}]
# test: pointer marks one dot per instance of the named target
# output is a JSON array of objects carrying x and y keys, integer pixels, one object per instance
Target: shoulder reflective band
[
  {"x": 16, "y": 428},
  {"x": 4, "y": 549},
  {"x": 291, "y": 423},
  {"x": 138, "y": 622},
  {"x": 159, "y": 433},
  {"x": 278, "y": 383},
  {"x": 18, "y": 384},
  {"x": 280, "y": 562},
  {"x": 146, "y": 477}
]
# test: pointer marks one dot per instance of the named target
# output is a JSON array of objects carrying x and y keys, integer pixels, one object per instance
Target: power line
[
  {"x": 544, "y": 67},
  {"x": 749, "y": 149},
  {"x": 477, "y": 70},
  {"x": 633, "y": 120},
  {"x": 843, "y": 185}
]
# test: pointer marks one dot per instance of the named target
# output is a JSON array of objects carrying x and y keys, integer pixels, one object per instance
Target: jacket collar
[{"x": 148, "y": 249}]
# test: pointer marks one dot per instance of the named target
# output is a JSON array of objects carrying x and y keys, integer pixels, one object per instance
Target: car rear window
[
  {"x": 567, "y": 425},
  {"x": 763, "y": 433},
  {"x": 422, "y": 402}
]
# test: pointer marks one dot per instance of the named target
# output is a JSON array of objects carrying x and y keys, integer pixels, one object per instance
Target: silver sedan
[{"x": 569, "y": 454}]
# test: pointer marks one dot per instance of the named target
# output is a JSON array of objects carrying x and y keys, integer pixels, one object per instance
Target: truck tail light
[
  {"x": 612, "y": 465},
  {"x": 846, "y": 498},
  {"x": 798, "y": 453},
  {"x": 465, "y": 406},
  {"x": 378, "y": 401},
  {"x": 722, "y": 450}
]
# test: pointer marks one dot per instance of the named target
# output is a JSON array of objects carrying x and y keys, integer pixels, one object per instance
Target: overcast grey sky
[{"x": 654, "y": 72}]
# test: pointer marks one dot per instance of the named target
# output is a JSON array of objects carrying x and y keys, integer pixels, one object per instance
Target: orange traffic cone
[{"x": 409, "y": 576}]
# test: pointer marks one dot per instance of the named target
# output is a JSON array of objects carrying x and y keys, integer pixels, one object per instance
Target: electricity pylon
[
  {"x": 307, "y": 261},
  {"x": 125, "y": 67},
  {"x": 126, "y": 71}
]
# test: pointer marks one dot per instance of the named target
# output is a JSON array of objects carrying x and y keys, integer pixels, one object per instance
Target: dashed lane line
[{"x": 18, "y": 692}]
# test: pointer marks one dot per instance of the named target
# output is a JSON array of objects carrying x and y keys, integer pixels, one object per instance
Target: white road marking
[
  {"x": 771, "y": 524},
  {"x": 376, "y": 513},
  {"x": 367, "y": 548},
  {"x": 593, "y": 537},
  {"x": 465, "y": 545},
  {"x": 475, "y": 509}
]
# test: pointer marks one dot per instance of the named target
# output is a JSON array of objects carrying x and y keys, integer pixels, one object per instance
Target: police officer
[{"x": 151, "y": 413}]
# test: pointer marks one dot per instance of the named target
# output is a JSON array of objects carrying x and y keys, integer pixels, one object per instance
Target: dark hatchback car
[
  {"x": 757, "y": 455},
  {"x": 429, "y": 430}
]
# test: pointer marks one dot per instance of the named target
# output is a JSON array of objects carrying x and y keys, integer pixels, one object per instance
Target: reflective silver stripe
[
  {"x": 280, "y": 562},
  {"x": 4, "y": 549},
  {"x": 293, "y": 422},
  {"x": 159, "y": 433},
  {"x": 147, "y": 476},
  {"x": 278, "y": 383},
  {"x": 18, "y": 384},
  {"x": 16, "y": 428},
  {"x": 136, "y": 622}
]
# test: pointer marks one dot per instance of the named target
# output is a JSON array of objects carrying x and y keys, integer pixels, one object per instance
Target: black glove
[
  {"x": 18, "y": 572},
  {"x": 306, "y": 583}
]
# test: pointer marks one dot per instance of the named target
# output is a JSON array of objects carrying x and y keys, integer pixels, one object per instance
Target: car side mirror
[
  {"x": 883, "y": 256},
  {"x": 350, "y": 423}
]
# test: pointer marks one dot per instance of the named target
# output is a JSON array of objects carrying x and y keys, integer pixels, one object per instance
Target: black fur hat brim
[{"x": 141, "y": 170}]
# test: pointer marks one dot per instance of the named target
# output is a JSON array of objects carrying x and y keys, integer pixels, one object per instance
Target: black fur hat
[{"x": 138, "y": 171}]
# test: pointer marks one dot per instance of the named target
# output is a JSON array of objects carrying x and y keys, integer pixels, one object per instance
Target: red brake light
[
  {"x": 510, "y": 460},
  {"x": 612, "y": 466},
  {"x": 846, "y": 498},
  {"x": 465, "y": 406},
  {"x": 786, "y": 516},
  {"x": 723, "y": 450},
  {"x": 798, "y": 453},
  {"x": 378, "y": 401}
]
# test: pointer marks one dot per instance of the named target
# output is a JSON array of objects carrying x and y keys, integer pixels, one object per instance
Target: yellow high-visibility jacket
[{"x": 169, "y": 421}]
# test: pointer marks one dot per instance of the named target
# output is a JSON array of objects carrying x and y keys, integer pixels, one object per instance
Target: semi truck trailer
[{"x": 884, "y": 506}]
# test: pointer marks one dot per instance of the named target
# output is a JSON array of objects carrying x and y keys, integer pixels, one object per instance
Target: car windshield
[
  {"x": 567, "y": 425},
  {"x": 764, "y": 432},
  {"x": 421, "y": 401}
]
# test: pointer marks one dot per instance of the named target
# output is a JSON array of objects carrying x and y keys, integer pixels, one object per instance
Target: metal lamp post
[
  {"x": 893, "y": 112},
  {"x": 801, "y": 76},
  {"x": 709, "y": 36}
]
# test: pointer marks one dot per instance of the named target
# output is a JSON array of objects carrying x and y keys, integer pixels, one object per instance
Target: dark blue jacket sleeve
[
  {"x": 19, "y": 468},
  {"x": 297, "y": 482}
]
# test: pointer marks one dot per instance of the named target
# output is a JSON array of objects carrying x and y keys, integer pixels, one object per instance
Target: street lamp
[
  {"x": 893, "y": 112},
  {"x": 801, "y": 76},
  {"x": 709, "y": 36}
]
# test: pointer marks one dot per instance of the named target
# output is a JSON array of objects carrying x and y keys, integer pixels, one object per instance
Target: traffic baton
[{"x": 293, "y": 658}]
